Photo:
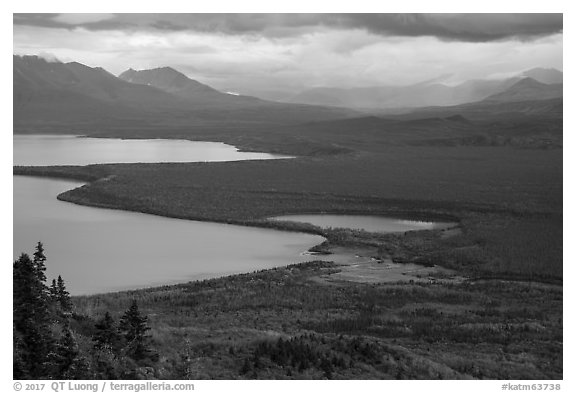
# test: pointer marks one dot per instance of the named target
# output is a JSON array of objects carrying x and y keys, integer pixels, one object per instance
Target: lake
[
  {"x": 43, "y": 150},
  {"x": 367, "y": 223},
  {"x": 100, "y": 250}
]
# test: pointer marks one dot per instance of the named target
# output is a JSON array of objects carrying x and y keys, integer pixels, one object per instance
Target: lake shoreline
[
  {"x": 496, "y": 281},
  {"x": 126, "y": 241},
  {"x": 96, "y": 173},
  {"x": 390, "y": 245},
  {"x": 325, "y": 247},
  {"x": 258, "y": 140},
  {"x": 77, "y": 173},
  {"x": 383, "y": 330}
]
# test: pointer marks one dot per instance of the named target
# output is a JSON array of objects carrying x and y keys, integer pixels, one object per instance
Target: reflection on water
[
  {"x": 367, "y": 223},
  {"x": 40, "y": 150},
  {"x": 100, "y": 250}
]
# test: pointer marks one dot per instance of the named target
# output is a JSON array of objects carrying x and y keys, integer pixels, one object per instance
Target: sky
[{"x": 248, "y": 53}]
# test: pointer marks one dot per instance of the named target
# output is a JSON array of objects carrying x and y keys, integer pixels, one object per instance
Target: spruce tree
[
  {"x": 40, "y": 262},
  {"x": 66, "y": 351},
  {"x": 106, "y": 356},
  {"x": 79, "y": 369},
  {"x": 30, "y": 314},
  {"x": 19, "y": 366},
  {"x": 106, "y": 336},
  {"x": 53, "y": 292},
  {"x": 133, "y": 327},
  {"x": 66, "y": 362},
  {"x": 63, "y": 296}
]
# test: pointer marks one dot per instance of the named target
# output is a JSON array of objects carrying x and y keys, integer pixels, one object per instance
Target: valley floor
[
  {"x": 484, "y": 301},
  {"x": 307, "y": 321}
]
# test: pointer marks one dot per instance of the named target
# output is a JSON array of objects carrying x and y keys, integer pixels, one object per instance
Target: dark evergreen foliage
[
  {"x": 106, "y": 336},
  {"x": 32, "y": 339},
  {"x": 53, "y": 291},
  {"x": 66, "y": 361},
  {"x": 133, "y": 327},
  {"x": 296, "y": 354},
  {"x": 63, "y": 354},
  {"x": 63, "y": 296},
  {"x": 40, "y": 262},
  {"x": 44, "y": 340},
  {"x": 19, "y": 366}
]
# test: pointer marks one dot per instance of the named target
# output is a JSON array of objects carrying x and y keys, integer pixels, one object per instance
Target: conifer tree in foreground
[
  {"x": 133, "y": 327},
  {"x": 106, "y": 336},
  {"x": 32, "y": 338},
  {"x": 40, "y": 263},
  {"x": 66, "y": 362},
  {"x": 63, "y": 296},
  {"x": 44, "y": 344},
  {"x": 106, "y": 349},
  {"x": 53, "y": 292},
  {"x": 59, "y": 297},
  {"x": 19, "y": 366}
]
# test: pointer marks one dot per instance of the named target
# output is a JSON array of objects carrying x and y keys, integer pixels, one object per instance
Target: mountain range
[
  {"x": 73, "y": 94},
  {"x": 55, "y": 92},
  {"x": 171, "y": 81},
  {"x": 430, "y": 93},
  {"x": 527, "y": 89},
  {"x": 548, "y": 76}
]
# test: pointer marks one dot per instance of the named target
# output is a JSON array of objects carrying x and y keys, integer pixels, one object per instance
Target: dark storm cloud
[
  {"x": 459, "y": 27},
  {"x": 449, "y": 27},
  {"x": 108, "y": 22}
]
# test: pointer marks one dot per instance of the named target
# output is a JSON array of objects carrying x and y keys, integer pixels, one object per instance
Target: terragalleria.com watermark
[{"x": 105, "y": 386}]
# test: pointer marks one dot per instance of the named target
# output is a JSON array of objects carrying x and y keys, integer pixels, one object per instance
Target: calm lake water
[
  {"x": 41, "y": 150},
  {"x": 368, "y": 223},
  {"x": 100, "y": 250}
]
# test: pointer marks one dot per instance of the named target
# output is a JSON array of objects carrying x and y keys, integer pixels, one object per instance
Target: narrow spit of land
[
  {"x": 508, "y": 201},
  {"x": 490, "y": 305}
]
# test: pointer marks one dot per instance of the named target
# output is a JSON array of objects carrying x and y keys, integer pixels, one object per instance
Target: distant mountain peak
[
  {"x": 154, "y": 71},
  {"x": 73, "y": 93},
  {"x": 164, "y": 78},
  {"x": 527, "y": 82},
  {"x": 548, "y": 76},
  {"x": 541, "y": 69},
  {"x": 528, "y": 89},
  {"x": 167, "y": 69},
  {"x": 79, "y": 65}
]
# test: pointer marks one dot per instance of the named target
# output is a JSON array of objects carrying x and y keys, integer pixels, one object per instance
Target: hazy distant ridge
[
  {"x": 430, "y": 93},
  {"x": 527, "y": 89}
]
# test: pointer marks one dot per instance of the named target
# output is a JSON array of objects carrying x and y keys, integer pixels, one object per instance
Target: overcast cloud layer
[{"x": 244, "y": 52}]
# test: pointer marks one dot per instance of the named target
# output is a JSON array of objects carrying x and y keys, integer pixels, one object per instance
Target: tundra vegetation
[
  {"x": 288, "y": 323},
  {"x": 497, "y": 316}
]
